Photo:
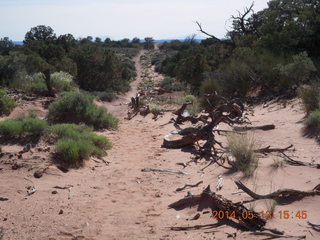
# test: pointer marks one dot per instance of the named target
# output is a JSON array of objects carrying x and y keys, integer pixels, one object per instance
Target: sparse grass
[
  {"x": 193, "y": 108},
  {"x": 242, "y": 148},
  {"x": 7, "y": 104},
  {"x": 76, "y": 143},
  {"x": 277, "y": 163},
  {"x": 312, "y": 124},
  {"x": 21, "y": 127},
  {"x": 74, "y": 107},
  {"x": 270, "y": 207},
  {"x": 155, "y": 110}
]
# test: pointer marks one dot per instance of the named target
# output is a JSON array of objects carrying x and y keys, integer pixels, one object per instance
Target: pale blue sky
[{"x": 120, "y": 19}]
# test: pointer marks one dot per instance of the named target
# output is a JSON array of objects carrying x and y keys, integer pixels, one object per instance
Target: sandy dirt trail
[{"x": 118, "y": 201}]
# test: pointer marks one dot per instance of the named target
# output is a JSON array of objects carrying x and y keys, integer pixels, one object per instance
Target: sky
[{"x": 118, "y": 19}]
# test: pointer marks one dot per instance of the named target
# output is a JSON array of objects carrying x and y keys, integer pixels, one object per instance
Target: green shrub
[
  {"x": 62, "y": 82},
  {"x": 105, "y": 96},
  {"x": 75, "y": 143},
  {"x": 20, "y": 127},
  {"x": 297, "y": 71},
  {"x": 311, "y": 98},
  {"x": 193, "y": 108},
  {"x": 170, "y": 84},
  {"x": 242, "y": 147},
  {"x": 74, "y": 107},
  {"x": 155, "y": 110},
  {"x": 208, "y": 87},
  {"x": 7, "y": 104},
  {"x": 312, "y": 124}
]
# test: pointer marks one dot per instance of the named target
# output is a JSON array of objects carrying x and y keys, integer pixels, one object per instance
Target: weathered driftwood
[
  {"x": 281, "y": 195},
  {"x": 162, "y": 170},
  {"x": 263, "y": 127},
  {"x": 209, "y": 199},
  {"x": 293, "y": 162},
  {"x": 188, "y": 186}
]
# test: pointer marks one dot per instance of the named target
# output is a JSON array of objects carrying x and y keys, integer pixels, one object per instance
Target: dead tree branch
[
  {"x": 263, "y": 127},
  {"x": 268, "y": 149},
  {"x": 281, "y": 195},
  {"x": 314, "y": 226},
  {"x": 293, "y": 162},
  {"x": 208, "y": 34},
  {"x": 188, "y": 185},
  {"x": 163, "y": 171}
]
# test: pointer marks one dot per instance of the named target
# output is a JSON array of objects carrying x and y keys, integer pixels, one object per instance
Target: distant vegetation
[
  {"x": 270, "y": 52},
  {"x": 47, "y": 64}
]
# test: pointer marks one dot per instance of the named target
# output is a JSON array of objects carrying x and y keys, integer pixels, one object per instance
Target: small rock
[
  {"x": 5, "y": 219},
  {"x": 38, "y": 174},
  {"x": 40, "y": 149},
  {"x": 54, "y": 192},
  {"x": 60, "y": 212}
]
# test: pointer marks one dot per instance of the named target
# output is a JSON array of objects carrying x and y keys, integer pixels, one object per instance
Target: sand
[{"x": 119, "y": 201}]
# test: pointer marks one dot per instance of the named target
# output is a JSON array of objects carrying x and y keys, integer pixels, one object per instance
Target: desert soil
[{"x": 114, "y": 199}]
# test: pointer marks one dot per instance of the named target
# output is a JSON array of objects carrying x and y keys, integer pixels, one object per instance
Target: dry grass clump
[
  {"x": 277, "y": 163},
  {"x": 242, "y": 147}
]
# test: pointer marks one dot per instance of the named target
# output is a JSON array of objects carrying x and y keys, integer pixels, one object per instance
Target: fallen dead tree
[
  {"x": 281, "y": 195},
  {"x": 209, "y": 199},
  {"x": 229, "y": 112}
]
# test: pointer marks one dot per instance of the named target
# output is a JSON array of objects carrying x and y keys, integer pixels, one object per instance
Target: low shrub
[
  {"x": 20, "y": 127},
  {"x": 76, "y": 143},
  {"x": 311, "y": 98},
  {"x": 105, "y": 96},
  {"x": 242, "y": 147},
  {"x": 312, "y": 124},
  {"x": 62, "y": 82},
  {"x": 170, "y": 84},
  {"x": 74, "y": 107},
  {"x": 155, "y": 110},
  {"x": 193, "y": 108},
  {"x": 7, "y": 104}
]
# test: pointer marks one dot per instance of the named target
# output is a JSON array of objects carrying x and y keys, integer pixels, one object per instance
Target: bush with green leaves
[
  {"x": 107, "y": 96},
  {"x": 22, "y": 127},
  {"x": 297, "y": 71},
  {"x": 311, "y": 98},
  {"x": 7, "y": 104},
  {"x": 170, "y": 84},
  {"x": 75, "y": 107},
  {"x": 62, "y": 82},
  {"x": 312, "y": 124},
  {"x": 155, "y": 110},
  {"x": 76, "y": 143}
]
